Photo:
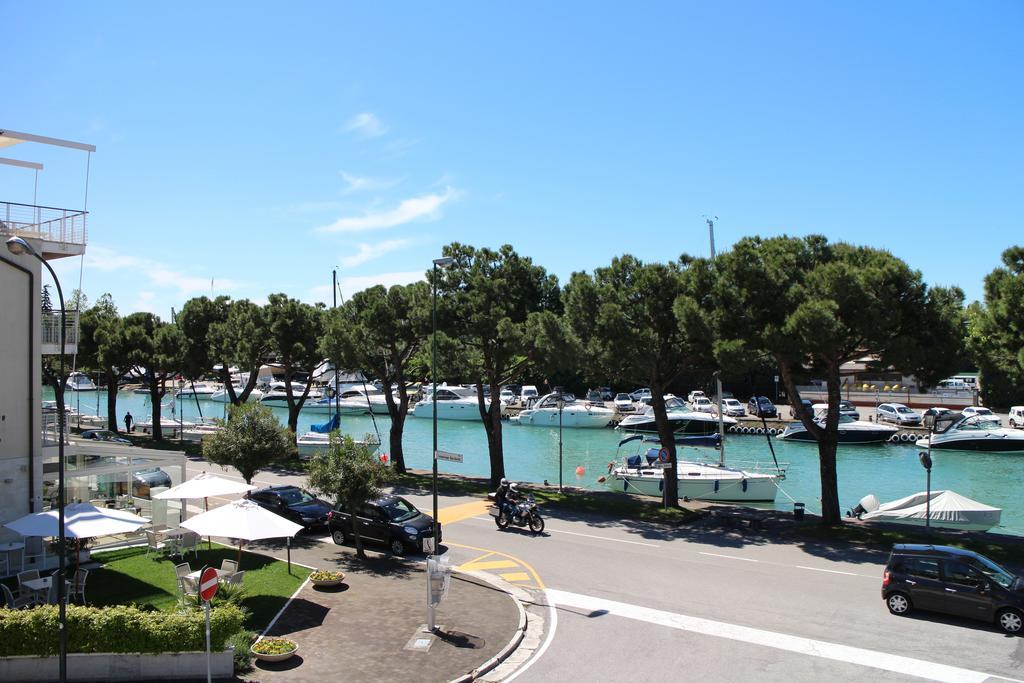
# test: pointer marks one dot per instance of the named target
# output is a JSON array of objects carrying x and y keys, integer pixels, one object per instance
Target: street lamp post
[
  {"x": 19, "y": 246},
  {"x": 561, "y": 405},
  {"x": 438, "y": 263},
  {"x": 926, "y": 462}
]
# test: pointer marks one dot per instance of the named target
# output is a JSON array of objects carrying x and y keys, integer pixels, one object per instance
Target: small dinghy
[{"x": 948, "y": 510}]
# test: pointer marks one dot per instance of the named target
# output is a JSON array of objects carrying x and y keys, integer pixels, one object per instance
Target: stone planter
[
  {"x": 280, "y": 657},
  {"x": 328, "y": 583}
]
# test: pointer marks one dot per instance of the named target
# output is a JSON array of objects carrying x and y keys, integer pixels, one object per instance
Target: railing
[
  {"x": 51, "y": 428},
  {"x": 50, "y": 321},
  {"x": 43, "y": 222}
]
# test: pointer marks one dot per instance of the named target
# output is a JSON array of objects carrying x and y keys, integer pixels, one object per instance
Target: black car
[
  {"x": 293, "y": 503},
  {"x": 391, "y": 520},
  {"x": 955, "y": 581},
  {"x": 103, "y": 435},
  {"x": 760, "y": 406}
]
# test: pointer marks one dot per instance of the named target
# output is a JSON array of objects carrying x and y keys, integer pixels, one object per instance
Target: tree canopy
[
  {"x": 240, "y": 340},
  {"x": 294, "y": 329},
  {"x": 996, "y": 336},
  {"x": 158, "y": 347},
  {"x": 251, "y": 440}
]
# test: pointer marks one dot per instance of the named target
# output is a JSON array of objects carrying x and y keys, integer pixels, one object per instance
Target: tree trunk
[
  {"x": 355, "y": 533},
  {"x": 112, "y": 378},
  {"x": 294, "y": 405},
  {"x": 155, "y": 395},
  {"x": 668, "y": 441},
  {"x": 398, "y": 413},
  {"x": 827, "y": 445},
  {"x": 492, "y": 425},
  {"x": 250, "y": 384}
]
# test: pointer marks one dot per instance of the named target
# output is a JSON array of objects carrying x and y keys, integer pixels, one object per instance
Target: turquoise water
[{"x": 889, "y": 471}]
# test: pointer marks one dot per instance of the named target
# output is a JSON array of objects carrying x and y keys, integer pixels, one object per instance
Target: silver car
[{"x": 899, "y": 414}]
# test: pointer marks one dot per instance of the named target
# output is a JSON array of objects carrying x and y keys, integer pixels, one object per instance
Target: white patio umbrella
[
  {"x": 205, "y": 485},
  {"x": 81, "y": 520},
  {"x": 244, "y": 520}
]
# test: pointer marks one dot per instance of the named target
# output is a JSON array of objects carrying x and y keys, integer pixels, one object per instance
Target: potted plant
[
  {"x": 274, "y": 649},
  {"x": 326, "y": 577}
]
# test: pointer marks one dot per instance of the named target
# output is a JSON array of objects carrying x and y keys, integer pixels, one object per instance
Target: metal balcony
[
  {"x": 50, "y": 332},
  {"x": 62, "y": 232},
  {"x": 51, "y": 429}
]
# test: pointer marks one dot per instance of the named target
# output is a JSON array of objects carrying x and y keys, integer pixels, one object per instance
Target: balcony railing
[
  {"x": 66, "y": 226},
  {"x": 51, "y": 327},
  {"x": 51, "y": 429}
]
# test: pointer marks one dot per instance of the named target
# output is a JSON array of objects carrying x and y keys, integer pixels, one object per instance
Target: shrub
[
  {"x": 115, "y": 629},
  {"x": 241, "y": 641}
]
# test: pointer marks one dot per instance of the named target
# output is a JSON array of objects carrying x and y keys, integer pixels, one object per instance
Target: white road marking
[
  {"x": 552, "y": 627},
  {"x": 576, "y": 533},
  {"x": 885, "y": 661},
  {"x": 729, "y": 557},
  {"x": 833, "y": 571}
]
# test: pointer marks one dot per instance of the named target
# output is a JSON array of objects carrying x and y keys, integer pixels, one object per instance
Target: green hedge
[{"x": 115, "y": 629}]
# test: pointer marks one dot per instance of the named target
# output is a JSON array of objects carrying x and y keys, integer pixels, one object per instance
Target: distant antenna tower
[{"x": 711, "y": 232}]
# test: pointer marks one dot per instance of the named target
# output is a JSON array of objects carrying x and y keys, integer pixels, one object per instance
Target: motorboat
[
  {"x": 973, "y": 433},
  {"x": 684, "y": 422},
  {"x": 168, "y": 426},
  {"x": 202, "y": 390},
  {"x": 221, "y": 395},
  {"x": 319, "y": 438},
  {"x": 850, "y": 431},
  {"x": 343, "y": 406},
  {"x": 573, "y": 414},
  {"x": 453, "y": 403},
  {"x": 278, "y": 394},
  {"x": 79, "y": 381},
  {"x": 945, "y": 509},
  {"x": 371, "y": 398},
  {"x": 644, "y": 474}
]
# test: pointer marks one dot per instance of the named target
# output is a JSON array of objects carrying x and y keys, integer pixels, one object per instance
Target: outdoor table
[
  {"x": 172, "y": 539},
  {"x": 42, "y": 586},
  {"x": 7, "y": 549},
  {"x": 221, "y": 574}
]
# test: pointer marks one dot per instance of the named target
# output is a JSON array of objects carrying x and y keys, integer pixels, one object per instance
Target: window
[
  {"x": 958, "y": 572},
  {"x": 295, "y": 497},
  {"x": 993, "y": 571},
  {"x": 919, "y": 566},
  {"x": 399, "y": 510}
]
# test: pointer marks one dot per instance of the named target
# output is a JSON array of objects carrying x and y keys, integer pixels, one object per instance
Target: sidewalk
[{"x": 360, "y": 630}]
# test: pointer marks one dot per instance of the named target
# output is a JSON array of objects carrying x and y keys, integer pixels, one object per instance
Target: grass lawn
[{"x": 129, "y": 575}]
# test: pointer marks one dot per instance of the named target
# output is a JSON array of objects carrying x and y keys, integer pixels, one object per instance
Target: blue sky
[{"x": 262, "y": 145}]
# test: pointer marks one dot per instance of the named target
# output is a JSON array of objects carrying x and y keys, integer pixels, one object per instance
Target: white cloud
[
  {"x": 159, "y": 274},
  {"x": 366, "y": 124},
  {"x": 369, "y": 252},
  {"x": 351, "y": 285},
  {"x": 427, "y": 206},
  {"x": 365, "y": 184}
]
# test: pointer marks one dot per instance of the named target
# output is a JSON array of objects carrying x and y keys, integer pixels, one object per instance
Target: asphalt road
[{"x": 630, "y": 601}]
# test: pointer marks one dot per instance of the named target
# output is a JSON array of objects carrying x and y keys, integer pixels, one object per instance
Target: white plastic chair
[
  {"x": 16, "y": 602},
  {"x": 34, "y": 548}
]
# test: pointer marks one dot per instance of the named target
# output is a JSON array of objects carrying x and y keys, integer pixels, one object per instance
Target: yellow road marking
[
  {"x": 515, "y": 576},
  {"x": 457, "y": 513},
  {"x": 493, "y": 564},
  {"x": 523, "y": 563}
]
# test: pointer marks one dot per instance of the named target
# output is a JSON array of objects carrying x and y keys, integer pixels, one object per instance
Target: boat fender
[
  {"x": 744, "y": 485},
  {"x": 716, "y": 485},
  {"x": 906, "y": 437},
  {"x": 894, "y": 437},
  {"x": 611, "y": 466},
  {"x": 661, "y": 484},
  {"x": 743, "y": 430},
  {"x": 760, "y": 431},
  {"x": 600, "y": 480}
]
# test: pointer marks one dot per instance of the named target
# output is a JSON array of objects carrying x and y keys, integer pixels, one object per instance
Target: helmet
[{"x": 504, "y": 481}]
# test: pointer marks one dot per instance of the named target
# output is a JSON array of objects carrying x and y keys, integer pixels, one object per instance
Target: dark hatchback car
[
  {"x": 760, "y": 406},
  {"x": 293, "y": 503},
  {"x": 391, "y": 520},
  {"x": 954, "y": 581},
  {"x": 103, "y": 435}
]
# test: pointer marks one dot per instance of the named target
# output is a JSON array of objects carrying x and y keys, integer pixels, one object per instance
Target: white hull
[
  {"x": 311, "y": 443},
  {"x": 575, "y": 417},
  {"x": 222, "y": 395},
  {"x": 343, "y": 407},
  {"x": 449, "y": 410},
  {"x": 699, "y": 481}
]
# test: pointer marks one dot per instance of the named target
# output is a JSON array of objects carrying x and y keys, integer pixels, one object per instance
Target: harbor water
[{"x": 889, "y": 471}]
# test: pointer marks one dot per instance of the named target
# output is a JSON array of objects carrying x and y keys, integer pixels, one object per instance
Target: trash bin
[{"x": 798, "y": 511}]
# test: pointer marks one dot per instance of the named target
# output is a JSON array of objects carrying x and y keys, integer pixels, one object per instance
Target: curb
[{"x": 517, "y": 637}]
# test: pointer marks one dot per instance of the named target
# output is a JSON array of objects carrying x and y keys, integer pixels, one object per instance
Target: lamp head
[
  {"x": 444, "y": 262},
  {"x": 929, "y": 421},
  {"x": 19, "y": 246}
]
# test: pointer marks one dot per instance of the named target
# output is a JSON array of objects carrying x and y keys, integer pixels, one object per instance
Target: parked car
[
  {"x": 806, "y": 406},
  {"x": 760, "y": 406},
  {"x": 953, "y": 581},
  {"x": 391, "y": 520},
  {"x": 983, "y": 414},
  {"x": 898, "y": 413},
  {"x": 103, "y": 435},
  {"x": 293, "y": 503},
  {"x": 847, "y": 408},
  {"x": 939, "y": 413},
  {"x": 702, "y": 404},
  {"x": 528, "y": 393},
  {"x": 640, "y": 394},
  {"x": 1017, "y": 416},
  {"x": 506, "y": 397},
  {"x": 693, "y": 395},
  {"x": 623, "y": 403},
  {"x": 606, "y": 393},
  {"x": 733, "y": 408},
  {"x": 144, "y": 480}
]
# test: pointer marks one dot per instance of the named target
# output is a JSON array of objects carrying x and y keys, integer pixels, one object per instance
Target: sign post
[{"x": 208, "y": 584}]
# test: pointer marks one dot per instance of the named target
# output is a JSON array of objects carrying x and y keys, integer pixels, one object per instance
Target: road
[{"x": 631, "y": 601}]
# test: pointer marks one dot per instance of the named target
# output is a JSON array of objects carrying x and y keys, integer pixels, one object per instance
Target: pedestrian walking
[{"x": 129, "y": 422}]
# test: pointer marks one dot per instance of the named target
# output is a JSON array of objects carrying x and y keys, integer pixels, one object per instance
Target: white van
[
  {"x": 952, "y": 384},
  {"x": 1017, "y": 416},
  {"x": 528, "y": 392}
]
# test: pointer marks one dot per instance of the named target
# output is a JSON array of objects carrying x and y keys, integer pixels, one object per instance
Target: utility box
[{"x": 439, "y": 572}]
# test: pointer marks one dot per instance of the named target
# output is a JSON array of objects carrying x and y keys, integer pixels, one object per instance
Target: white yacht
[
  {"x": 221, "y": 395},
  {"x": 204, "y": 390},
  {"x": 974, "y": 433},
  {"x": 644, "y": 474},
  {"x": 278, "y": 395},
  {"x": 573, "y": 414},
  {"x": 79, "y": 381},
  {"x": 684, "y": 422},
  {"x": 850, "y": 431},
  {"x": 453, "y": 403}
]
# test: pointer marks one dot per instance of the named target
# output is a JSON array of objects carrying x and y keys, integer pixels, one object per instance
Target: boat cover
[
  {"x": 326, "y": 427},
  {"x": 948, "y": 508}
]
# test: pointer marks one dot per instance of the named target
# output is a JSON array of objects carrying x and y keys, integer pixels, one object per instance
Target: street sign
[
  {"x": 450, "y": 457},
  {"x": 208, "y": 584},
  {"x": 776, "y": 378}
]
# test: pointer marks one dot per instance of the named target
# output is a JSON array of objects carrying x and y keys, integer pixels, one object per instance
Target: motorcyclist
[{"x": 506, "y": 490}]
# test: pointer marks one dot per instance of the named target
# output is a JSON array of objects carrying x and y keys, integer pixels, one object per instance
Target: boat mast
[
  {"x": 718, "y": 376},
  {"x": 334, "y": 362}
]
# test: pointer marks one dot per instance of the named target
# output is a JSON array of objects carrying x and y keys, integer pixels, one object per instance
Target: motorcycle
[{"x": 524, "y": 513}]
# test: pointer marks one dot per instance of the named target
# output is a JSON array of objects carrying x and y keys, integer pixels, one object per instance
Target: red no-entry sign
[{"x": 208, "y": 583}]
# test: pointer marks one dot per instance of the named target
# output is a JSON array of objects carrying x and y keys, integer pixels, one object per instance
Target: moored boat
[
  {"x": 851, "y": 432},
  {"x": 573, "y": 414},
  {"x": 945, "y": 509},
  {"x": 974, "y": 433}
]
